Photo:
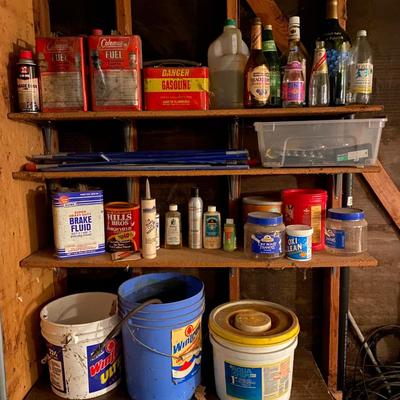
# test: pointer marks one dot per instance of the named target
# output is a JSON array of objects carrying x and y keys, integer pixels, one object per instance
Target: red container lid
[
  {"x": 97, "y": 32},
  {"x": 26, "y": 54},
  {"x": 304, "y": 194}
]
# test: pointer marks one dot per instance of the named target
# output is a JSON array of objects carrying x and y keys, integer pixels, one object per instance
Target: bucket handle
[
  {"x": 68, "y": 339},
  {"x": 117, "y": 327},
  {"x": 182, "y": 357}
]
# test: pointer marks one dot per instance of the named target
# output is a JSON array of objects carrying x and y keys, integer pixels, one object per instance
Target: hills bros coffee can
[
  {"x": 122, "y": 227},
  {"x": 115, "y": 64},
  {"x": 62, "y": 74}
]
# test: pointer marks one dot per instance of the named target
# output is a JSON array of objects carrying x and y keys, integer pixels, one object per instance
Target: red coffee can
[{"x": 122, "y": 226}]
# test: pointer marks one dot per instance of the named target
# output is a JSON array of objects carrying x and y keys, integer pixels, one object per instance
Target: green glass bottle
[{"x": 271, "y": 54}]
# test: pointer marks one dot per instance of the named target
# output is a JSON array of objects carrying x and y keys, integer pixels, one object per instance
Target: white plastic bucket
[
  {"x": 252, "y": 364},
  {"x": 73, "y": 327}
]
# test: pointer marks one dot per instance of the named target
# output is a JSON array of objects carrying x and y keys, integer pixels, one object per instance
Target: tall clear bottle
[
  {"x": 293, "y": 82},
  {"x": 195, "y": 220},
  {"x": 173, "y": 228},
  {"x": 294, "y": 41},
  {"x": 227, "y": 58},
  {"x": 318, "y": 94},
  {"x": 271, "y": 54},
  {"x": 334, "y": 36},
  {"x": 361, "y": 70},
  {"x": 256, "y": 73}
]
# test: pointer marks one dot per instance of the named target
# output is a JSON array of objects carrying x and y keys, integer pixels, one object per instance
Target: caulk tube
[
  {"x": 195, "y": 220},
  {"x": 149, "y": 234}
]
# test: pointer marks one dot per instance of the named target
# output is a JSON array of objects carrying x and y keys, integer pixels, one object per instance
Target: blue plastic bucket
[{"x": 162, "y": 343}]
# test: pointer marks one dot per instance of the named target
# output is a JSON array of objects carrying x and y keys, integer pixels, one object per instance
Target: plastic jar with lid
[
  {"x": 346, "y": 231},
  {"x": 264, "y": 235}
]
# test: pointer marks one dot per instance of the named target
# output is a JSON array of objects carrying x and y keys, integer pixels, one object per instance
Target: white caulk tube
[{"x": 149, "y": 234}]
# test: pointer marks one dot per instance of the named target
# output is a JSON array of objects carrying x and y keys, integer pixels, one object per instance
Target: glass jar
[
  {"x": 346, "y": 231},
  {"x": 264, "y": 235}
]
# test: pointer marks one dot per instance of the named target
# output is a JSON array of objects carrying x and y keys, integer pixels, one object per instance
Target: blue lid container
[
  {"x": 264, "y": 218},
  {"x": 346, "y": 214}
]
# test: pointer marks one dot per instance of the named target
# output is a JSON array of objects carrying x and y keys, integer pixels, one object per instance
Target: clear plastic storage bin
[{"x": 351, "y": 142}]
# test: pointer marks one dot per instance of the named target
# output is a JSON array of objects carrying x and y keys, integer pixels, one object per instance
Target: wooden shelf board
[
  {"x": 202, "y": 258},
  {"x": 242, "y": 113},
  {"x": 42, "y": 176},
  {"x": 307, "y": 384}
]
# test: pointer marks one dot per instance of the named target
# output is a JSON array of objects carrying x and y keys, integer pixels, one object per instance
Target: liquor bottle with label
[
  {"x": 256, "y": 73},
  {"x": 271, "y": 54},
  {"x": 294, "y": 40},
  {"x": 334, "y": 37},
  {"x": 318, "y": 94},
  {"x": 361, "y": 70},
  {"x": 293, "y": 82}
]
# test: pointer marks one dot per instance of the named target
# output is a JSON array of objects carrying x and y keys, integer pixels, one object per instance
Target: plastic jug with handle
[{"x": 227, "y": 57}]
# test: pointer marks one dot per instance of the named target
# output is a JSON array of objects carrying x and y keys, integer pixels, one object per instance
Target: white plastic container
[
  {"x": 227, "y": 58},
  {"x": 252, "y": 340},
  {"x": 299, "y": 242},
  {"x": 349, "y": 142},
  {"x": 73, "y": 327}
]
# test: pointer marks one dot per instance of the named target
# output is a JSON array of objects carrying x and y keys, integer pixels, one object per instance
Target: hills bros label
[
  {"x": 122, "y": 226},
  {"x": 115, "y": 63},
  {"x": 62, "y": 74}
]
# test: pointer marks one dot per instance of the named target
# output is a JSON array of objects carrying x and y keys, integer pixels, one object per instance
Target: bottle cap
[
  {"x": 230, "y": 22},
  {"x": 230, "y": 221},
  {"x": 257, "y": 21},
  {"x": 195, "y": 192},
  {"x": 264, "y": 218},
  {"x": 97, "y": 32},
  {"x": 294, "y": 20},
  {"x": 26, "y": 54},
  {"x": 319, "y": 44},
  {"x": 211, "y": 208},
  {"x": 346, "y": 214},
  {"x": 173, "y": 207},
  {"x": 269, "y": 27},
  {"x": 362, "y": 33}
]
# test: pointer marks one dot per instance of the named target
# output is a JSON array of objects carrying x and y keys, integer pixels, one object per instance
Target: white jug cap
[
  {"x": 362, "y": 33},
  {"x": 173, "y": 207},
  {"x": 212, "y": 208}
]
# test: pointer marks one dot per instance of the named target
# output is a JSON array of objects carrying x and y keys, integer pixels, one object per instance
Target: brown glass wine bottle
[{"x": 256, "y": 73}]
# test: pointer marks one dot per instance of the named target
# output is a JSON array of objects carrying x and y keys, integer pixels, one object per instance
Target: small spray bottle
[{"x": 149, "y": 237}]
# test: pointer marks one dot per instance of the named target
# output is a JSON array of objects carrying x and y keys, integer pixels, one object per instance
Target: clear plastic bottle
[
  {"x": 173, "y": 228},
  {"x": 318, "y": 94},
  {"x": 227, "y": 58},
  {"x": 361, "y": 70}
]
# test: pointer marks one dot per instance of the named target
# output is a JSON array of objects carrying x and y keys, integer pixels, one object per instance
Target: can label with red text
[
  {"x": 62, "y": 73},
  {"x": 122, "y": 227},
  {"x": 115, "y": 63}
]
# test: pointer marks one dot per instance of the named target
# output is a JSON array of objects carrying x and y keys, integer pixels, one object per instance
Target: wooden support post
[
  {"x": 233, "y": 10},
  {"x": 124, "y": 16},
  {"x": 387, "y": 192},
  {"x": 234, "y": 284},
  {"x": 41, "y": 18},
  {"x": 342, "y": 13}
]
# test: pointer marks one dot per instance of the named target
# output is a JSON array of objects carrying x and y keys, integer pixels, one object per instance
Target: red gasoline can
[
  {"x": 115, "y": 64},
  {"x": 176, "y": 88},
  {"x": 122, "y": 226},
  {"x": 307, "y": 207},
  {"x": 62, "y": 74}
]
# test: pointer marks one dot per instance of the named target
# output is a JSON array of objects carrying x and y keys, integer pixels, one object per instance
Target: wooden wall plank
[
  {"x": 234, "y": 284},
  {"x": 270, "y": 13},
  {"x": 41, "y": 15},
  {"x": 387, "y": 192},
  {"x": 124, "y": 16},
  {"x": 233, "y": 10}
]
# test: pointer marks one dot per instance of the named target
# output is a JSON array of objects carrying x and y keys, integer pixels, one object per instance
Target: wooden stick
[
  {"x": 124, "y": 16},
  {"x": 41, "y": 18},
  {"x": 232, "y": 10}
]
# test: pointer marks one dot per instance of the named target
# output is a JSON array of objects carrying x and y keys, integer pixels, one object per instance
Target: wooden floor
[{"x": 307, "y": 384}]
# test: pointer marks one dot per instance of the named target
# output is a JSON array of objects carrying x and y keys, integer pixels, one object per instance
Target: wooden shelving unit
[
  {"x": 42, "y": 176},
  {"x": 202, "y": 258},
  {"x": 152, "y": 115},
  {"x": 307, "y": 384}
]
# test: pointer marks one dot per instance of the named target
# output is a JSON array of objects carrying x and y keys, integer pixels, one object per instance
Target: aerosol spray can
[
  {"x": 195, "y": 220},
  {"x": 149, "y": 230},
  {"x": 27, "y": 83}
]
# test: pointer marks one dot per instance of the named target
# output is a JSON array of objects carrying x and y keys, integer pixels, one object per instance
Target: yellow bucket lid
[{"x": 254, "y": 323}]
